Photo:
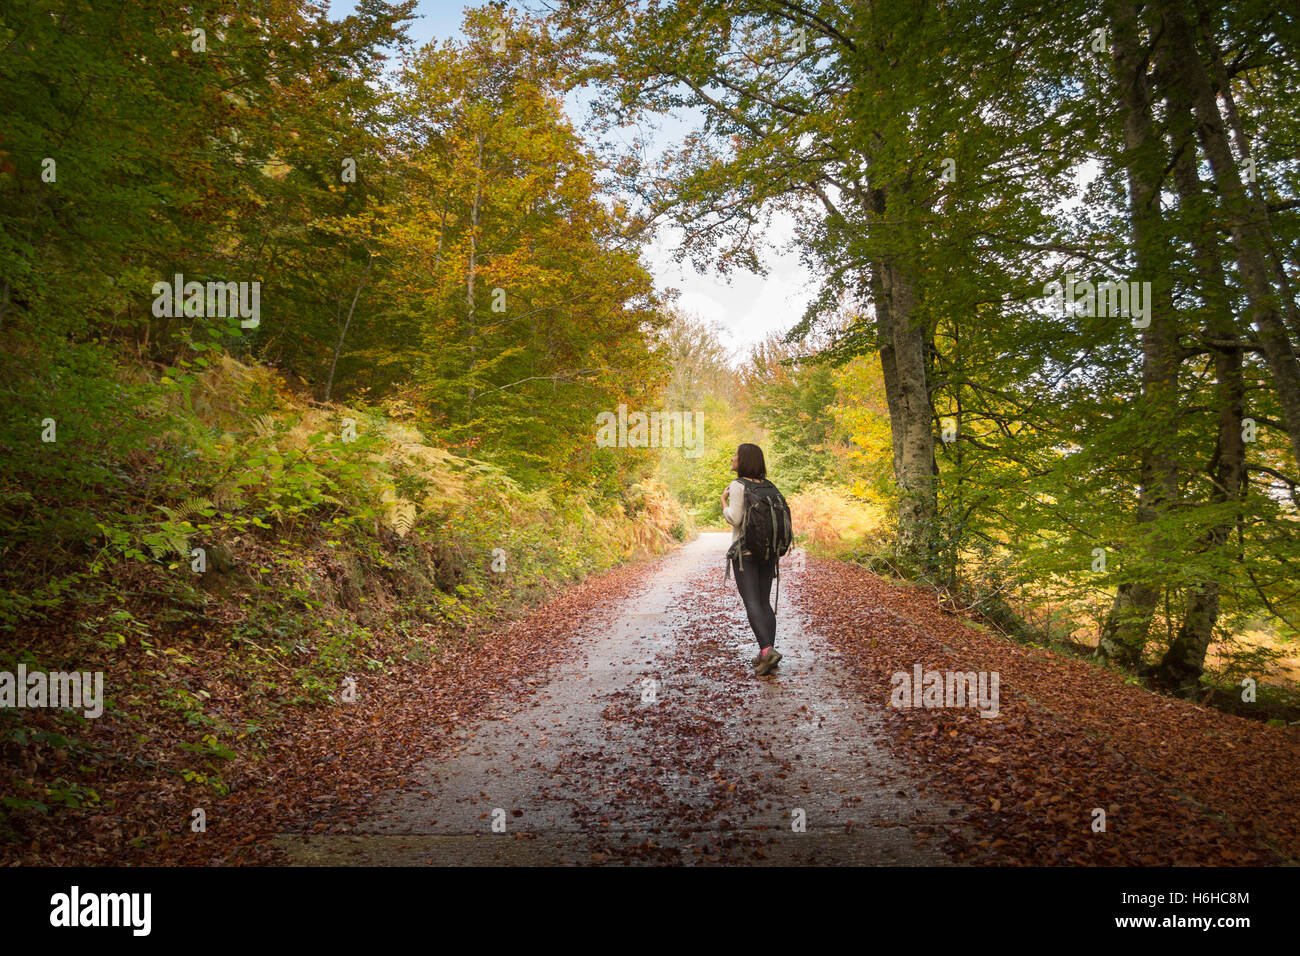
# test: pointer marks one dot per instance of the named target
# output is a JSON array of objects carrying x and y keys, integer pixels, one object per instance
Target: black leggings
[{"x": 754, "y": 581}]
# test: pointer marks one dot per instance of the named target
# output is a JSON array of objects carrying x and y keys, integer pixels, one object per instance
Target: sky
[{"x": 747, "y": 308}]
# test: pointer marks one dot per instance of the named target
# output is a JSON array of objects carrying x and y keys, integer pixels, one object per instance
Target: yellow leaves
[
  {"x": 827, "y": 516},
  {"x": 276, "y": 169}
]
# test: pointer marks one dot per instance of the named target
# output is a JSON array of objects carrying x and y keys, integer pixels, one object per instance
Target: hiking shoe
[{"x": 767, "y": 663}]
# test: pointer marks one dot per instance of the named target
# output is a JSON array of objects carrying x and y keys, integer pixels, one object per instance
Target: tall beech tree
[{"x": 1144, "y": 159}]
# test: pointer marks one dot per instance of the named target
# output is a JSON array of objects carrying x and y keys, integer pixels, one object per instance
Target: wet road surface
[{"x": 653, "y": 743}]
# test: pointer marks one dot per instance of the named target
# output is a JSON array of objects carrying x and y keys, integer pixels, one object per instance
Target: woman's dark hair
[{"x": 749, "y": 461}]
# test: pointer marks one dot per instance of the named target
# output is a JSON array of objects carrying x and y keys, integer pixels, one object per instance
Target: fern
[
  {"x": 190, "y": 508},
  {"x": 264, "y": 426},
  {"x": 173, "y": 534},
  {"x": 399, "y": 512},
  {"x": 402, "y": 518}
]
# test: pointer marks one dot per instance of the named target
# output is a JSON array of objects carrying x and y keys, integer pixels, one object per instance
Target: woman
[{"x": 753, "y": 577}]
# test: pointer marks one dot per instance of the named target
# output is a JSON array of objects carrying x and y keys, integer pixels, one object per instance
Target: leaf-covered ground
[
  {"x": 652, "y": 744},
  {"x": 550, "y": 712},
  {"x": 324, "y": 761},
  {"x": 1180, "y": 784}
]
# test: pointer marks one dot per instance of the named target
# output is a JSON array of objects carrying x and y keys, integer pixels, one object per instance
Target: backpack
[{"x": 766, "y": 531}]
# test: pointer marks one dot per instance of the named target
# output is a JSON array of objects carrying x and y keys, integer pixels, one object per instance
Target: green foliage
[
  {"x": 791, "y": 395},
  {"x": 935, "y": 223}
]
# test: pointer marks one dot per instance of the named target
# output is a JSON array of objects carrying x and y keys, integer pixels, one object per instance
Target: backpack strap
[
  {"x": 740, "y": 538},
  {"x": 771, "y": 523},
  {"x": 777, "y": 600}
]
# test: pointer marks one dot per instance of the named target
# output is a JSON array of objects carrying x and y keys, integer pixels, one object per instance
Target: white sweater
[{"x": 735, "y": 509}]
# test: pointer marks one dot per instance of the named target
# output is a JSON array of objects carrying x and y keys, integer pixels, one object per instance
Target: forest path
[{"x": 653, "y": 742}]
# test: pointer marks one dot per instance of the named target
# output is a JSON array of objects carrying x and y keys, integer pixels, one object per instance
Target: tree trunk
[
  {"x": 918, "y": 505},
  {"x": 907, "y": 392},
  {"x": 1183, "y": 663},
  {"x": 1246, "y": 217},
  {"x": 1223, "y": 85},
  {"x": 1124, "y": 632}
]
